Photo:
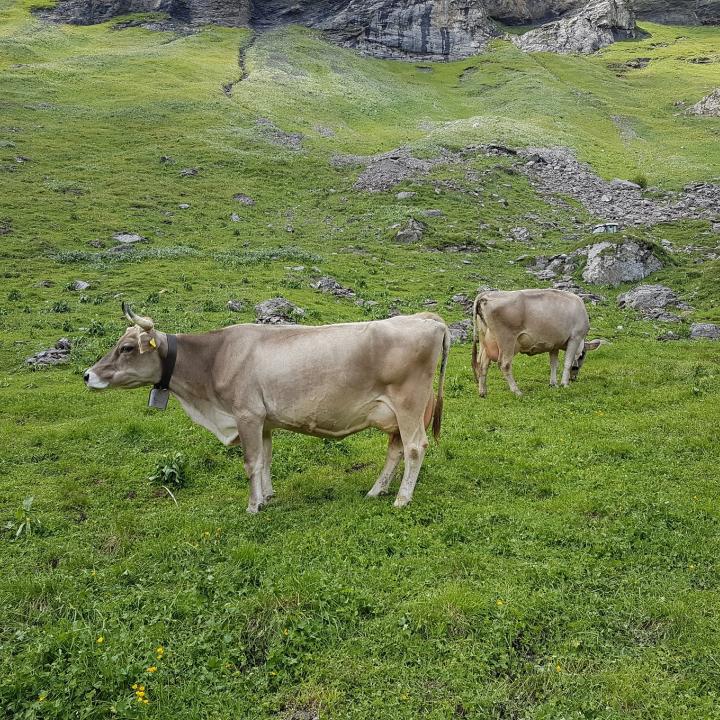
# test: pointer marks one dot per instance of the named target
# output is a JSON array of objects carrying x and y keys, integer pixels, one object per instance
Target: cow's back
[
  {"x": 362, "y": 354},
  {"x": 539, "y": 319}
]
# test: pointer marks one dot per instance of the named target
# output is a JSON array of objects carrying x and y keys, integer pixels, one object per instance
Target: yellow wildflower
[
  {"x": 285, "y": 631},
  {"x": 152, "y": 669},
  {"x": 41, "y": 697},
  {"x": 499, "y": 602},
  {"x": 100, "y": 640},
  {"x": 134, "y": 686},
  {"x": 160, "y": 651},
  {"x": 558, "y": 668}
]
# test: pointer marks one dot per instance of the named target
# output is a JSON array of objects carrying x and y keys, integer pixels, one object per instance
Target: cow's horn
[{"x": 145, "y": 323}]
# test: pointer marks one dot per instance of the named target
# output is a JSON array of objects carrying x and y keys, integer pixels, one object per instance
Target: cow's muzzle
[{"x": 93, "y": 382}]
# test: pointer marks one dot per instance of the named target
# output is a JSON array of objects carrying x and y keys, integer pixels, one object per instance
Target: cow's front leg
[
  {"x": 506, "y": 367},
  {"x": 251, "y": 439},
  {"x": 571, "y": 353},
  {"x": 394, "y": 453},
  {"x": 553, "y": 367}
]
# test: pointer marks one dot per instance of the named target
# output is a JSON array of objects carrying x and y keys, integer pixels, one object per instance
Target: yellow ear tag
[{"x": 152, "y": 343}]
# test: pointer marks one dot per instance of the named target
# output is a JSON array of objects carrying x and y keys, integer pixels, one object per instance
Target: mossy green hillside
[{"x": 560, "y": 558}]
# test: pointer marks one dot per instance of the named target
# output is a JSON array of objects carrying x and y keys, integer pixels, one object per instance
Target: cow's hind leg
[
  {"x": 251, "y": 439},
  {"x": 266, "y": 481},
  {"x": 506, "y": 367},
  {"x": 553, "y": 367},
  {"x": 414, "y": 440},
  {"x": 483, "y": 366},
  {"x": 394, "y": 453}
]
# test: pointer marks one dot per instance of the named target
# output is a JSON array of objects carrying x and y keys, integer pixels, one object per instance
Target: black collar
[{"x": 168, "y": 363}]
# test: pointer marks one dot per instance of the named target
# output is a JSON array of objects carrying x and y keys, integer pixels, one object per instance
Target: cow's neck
[
  {"x": 191, "y": 378},
  {"x": 192, "y": 384}
]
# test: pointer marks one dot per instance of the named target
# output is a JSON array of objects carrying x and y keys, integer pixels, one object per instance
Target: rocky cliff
[
  {"x": 411, "y": 28},
  {"x": 597, "y": 25},
  {"x": 684, "y": 12},
  {"x": 449, "y": 29}
]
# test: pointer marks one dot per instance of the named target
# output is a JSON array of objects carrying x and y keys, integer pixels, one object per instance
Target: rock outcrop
[
  {"x": 597, "y": 25},
  {"x": 234, "y": 13},
  {"x": 422, "y": 30},
  {"x": 277, "y": 311},
  {"x": 653, "y": 302},
  {"x": 58, "y": 355},
  {"x": 684, "y": 12},
  {"x": 613, "y": 264},
  {"x": 556, "y": 172},
  {"x": 708, "y": 106},
  {"x": 705, "y": 331}
]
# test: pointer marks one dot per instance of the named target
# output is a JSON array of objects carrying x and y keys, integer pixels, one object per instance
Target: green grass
[{"x": 560, "y": 557}]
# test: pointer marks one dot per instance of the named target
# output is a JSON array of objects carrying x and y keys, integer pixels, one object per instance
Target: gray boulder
[
  {"x": 58, "y": 355},
  {"x": 575, "y": 289},
  {"x": 709, "y": 106},
  {"x": 327, "y": 284},
  {"x": 460, "y": 331},
  {"x": 597, "y": 25},
  {"x": 411, "y": 232},
  {"x": 277, "y": 311},
  {"x": 648, "y": 297},
  {"x": 463, "y": 301},
  {"x": 706, "y": 331},
  {"x": 235, "y": 305},
  {"x": 616, "y": 263},
  {"x": 79, "y": 285},
  {"x": 128, "y": 238}
]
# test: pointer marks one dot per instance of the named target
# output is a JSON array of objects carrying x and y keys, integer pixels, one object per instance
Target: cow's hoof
[
  {"x": 254, "y": 508},
  {"x": 518, "y": 393},
  {"x": 401, "y": 502},
  {"x": 372, "y": 494}
]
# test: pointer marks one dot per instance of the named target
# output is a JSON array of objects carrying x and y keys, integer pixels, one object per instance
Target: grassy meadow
[{"x": 560, "y": 558}]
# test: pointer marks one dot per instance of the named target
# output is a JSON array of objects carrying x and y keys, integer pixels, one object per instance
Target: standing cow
[
  {"x": 529, "y": 322},
  {"x": 330, "y": 381}
]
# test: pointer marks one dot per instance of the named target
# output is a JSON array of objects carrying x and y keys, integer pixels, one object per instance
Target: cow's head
[
  {"x": 580, "y": 359},
  {"x": 133, "y": 362}
]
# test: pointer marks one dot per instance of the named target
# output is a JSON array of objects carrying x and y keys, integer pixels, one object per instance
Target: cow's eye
[{"x": 127, "y": 348}]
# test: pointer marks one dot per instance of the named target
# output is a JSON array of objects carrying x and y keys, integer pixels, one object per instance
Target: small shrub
[
  {"x": 14, "y": 295},
  {"x": 211, "y": 306},
  {"x": 96, "y": 329},
  {"x": 640, "y": 180},
  {"x": 60, "y": 307},
  {"x": 170, "y": 471},
  {"x": 25, "y": 523}
]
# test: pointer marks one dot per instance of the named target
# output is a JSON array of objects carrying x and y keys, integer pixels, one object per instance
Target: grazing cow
[
  {"x": 330, "y": 381},
  {"x": 529, "y": 322}
]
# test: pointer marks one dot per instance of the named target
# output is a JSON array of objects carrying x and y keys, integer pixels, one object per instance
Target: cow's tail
[
  {"x": 476, "y": 334},
  {"x": 438, "y": 411}
]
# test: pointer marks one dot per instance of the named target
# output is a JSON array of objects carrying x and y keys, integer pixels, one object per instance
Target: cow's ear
[
  {"x": 147, "y": 341},
  {"x": 593, "y": 344}
]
